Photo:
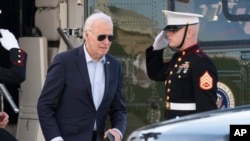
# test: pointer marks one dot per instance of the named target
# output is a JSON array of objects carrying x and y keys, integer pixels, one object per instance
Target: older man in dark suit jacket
[{"x": 83, "y": 86}]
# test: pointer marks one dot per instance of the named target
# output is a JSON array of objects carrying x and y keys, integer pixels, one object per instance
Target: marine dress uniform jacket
[
  {"x": 12, "y": 74},
  {"x": 190, "y": 80},
  {"x": 66, "y": 107}
]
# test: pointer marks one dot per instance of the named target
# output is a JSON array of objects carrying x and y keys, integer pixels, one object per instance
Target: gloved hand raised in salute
[
  {"x": 8, "y": 40},
  {"x": 160, "y": 41}
]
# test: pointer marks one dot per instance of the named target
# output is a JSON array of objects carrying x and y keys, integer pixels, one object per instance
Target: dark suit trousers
[{"x": 94, "y": 136}]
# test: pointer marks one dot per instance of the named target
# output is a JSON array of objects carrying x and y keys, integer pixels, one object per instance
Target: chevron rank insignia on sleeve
[{"x": 206, "y": 81}]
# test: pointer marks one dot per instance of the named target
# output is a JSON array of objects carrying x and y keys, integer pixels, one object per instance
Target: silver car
[{"x": 207, "y": 126}]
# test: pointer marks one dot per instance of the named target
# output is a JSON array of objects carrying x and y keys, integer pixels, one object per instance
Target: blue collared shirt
[{"x": 97, "y": 77}]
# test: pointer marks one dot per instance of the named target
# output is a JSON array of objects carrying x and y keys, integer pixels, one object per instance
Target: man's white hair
[{"x": 97, "y": 15}]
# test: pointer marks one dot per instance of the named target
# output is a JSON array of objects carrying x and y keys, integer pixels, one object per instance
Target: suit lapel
[
  {"x": 82, "y": 66},
  {"x": 108, "y": 71},
  {"x": 107, "y": 76}
]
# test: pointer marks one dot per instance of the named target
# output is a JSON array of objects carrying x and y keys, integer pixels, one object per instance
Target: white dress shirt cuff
[
  {"x": 118, "y": 132},
  {"x": 57, "y": 139}
]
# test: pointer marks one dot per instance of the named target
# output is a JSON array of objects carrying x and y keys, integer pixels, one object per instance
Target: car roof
[
  {"x": 205, "y": 126},
  {"x": 207, "y": 114}
]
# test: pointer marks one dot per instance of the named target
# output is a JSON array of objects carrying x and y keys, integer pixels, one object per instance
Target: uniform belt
[{"x": 182, "y": 106}]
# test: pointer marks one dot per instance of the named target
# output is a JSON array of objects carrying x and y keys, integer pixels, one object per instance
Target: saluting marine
[
  {"x": 12, "y": 73},
  {"x": 190, "y": 76}
]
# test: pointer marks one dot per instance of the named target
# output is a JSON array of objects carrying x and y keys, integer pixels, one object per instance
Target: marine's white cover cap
[{"x": 180, "y": 18}]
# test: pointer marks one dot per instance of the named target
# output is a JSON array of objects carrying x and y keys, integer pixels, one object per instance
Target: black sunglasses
[{"x": 103, "y": 37}]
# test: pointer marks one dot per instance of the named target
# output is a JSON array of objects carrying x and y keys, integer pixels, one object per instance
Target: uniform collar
[{"x": 189, "y": 50}]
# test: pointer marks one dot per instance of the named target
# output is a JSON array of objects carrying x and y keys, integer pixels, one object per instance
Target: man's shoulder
[
  {"x": 111, "y": 57},
  {"x": 69, "y": 52},
  {"x": 201, "y": 54}
]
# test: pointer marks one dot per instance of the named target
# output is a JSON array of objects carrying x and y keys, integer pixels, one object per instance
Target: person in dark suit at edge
[
  {"x": 5, "y": 135},
  {"x": 190, "y": 75},
  {"x": 83, "y": 87}
]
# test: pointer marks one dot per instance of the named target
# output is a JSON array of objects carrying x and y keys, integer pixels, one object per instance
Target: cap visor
[{"x": 173, "y": 27}]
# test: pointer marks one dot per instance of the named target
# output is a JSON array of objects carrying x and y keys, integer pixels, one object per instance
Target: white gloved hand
[
  {"x": 8, "y": 40},
  {"x": 160, "y": 41}
]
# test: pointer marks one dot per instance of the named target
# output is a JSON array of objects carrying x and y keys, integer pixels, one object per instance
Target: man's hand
[
  {"x": 8, "y": 40},
  {"x": 113, "y": 134},
  {"x": 160, "y": 41},
  {"x": 4, "y": 119}
]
